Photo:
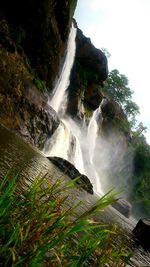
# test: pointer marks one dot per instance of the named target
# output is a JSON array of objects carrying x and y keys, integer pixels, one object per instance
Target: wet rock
[
  {"x": 123, "y": 207},
  {"x": 93, "y": 96},
  {"x": 70, "y": 170},
  {"x": 29, "y": 115},
  {"x": 142, "y": 233}
]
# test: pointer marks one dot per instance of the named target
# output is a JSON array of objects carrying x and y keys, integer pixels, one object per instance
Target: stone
[
  {"x": 142, "y": 233},
  {"x": 70, "y": 170},
  {"x": 123, "y": 207}
]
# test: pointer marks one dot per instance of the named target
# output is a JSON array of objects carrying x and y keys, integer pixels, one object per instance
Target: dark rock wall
[
  {"x": 41, "y": 28},
  {"x": 33, "y": 38},
  {"x": 89, "y": 71}
]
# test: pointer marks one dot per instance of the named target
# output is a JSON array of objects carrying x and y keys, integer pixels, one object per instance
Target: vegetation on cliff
[{"x": 116, "y": 87}]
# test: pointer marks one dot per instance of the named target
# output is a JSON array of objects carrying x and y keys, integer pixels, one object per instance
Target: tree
[{"x": 116, "y": 87}]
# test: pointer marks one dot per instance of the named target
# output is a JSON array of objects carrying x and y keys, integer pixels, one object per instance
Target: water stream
[{"x": 59, "y": 97}]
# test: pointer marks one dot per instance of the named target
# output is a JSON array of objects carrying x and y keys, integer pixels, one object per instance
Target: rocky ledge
[
  {"x": 123, "y": 207},
  {"x": 69, "y": 169}
]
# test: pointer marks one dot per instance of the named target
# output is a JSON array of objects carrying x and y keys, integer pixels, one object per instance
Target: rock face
[
  {"x": 29, "y": 115},
  {"x": 89, "y": 71},
  {"x": 33, "y": 38},
  {"x": 114, "y": 118},
  {"x": 142, "y": 233},
  {"x": 73, "y": 173},
  {"x": 41, "y": 29},
  {"x": 123, "y": 207}
]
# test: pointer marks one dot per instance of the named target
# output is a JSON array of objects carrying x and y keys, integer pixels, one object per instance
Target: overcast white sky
[{"x": 123, "y": 28}]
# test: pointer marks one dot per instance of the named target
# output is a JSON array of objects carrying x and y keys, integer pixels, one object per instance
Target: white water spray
[
  {"x": 92, "y": 134},
  {"x": 66, "y": 145},
  {"x": 59, "y": 98},
  {"x": 79, "y": 147},
  {"x": 92, "y": 131}
]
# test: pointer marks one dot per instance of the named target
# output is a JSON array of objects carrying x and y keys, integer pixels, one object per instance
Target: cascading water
[
  {"x": 79, "y": 147},
  {"x": 66, "y": 145},
  {"x": 92, "y": 133},
  {"x": 59, "y": 98}
]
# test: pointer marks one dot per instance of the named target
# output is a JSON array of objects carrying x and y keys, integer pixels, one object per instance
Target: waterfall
[
  {"x": 72, "y": 141},
  {"x": 59, "y": 98},
  {"x": 92, "y": 133},
  {"x": 66, "y": 145}
]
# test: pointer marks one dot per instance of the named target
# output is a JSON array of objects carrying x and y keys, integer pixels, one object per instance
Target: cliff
[
  {"x": 85, "y": 92},
  {"x": 33, "y": 36}
]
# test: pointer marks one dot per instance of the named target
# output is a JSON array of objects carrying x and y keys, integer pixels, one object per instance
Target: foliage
[
  {"x": 141, "y": 191},
  {"x": 37, "y": 228},
  {"x": 116, "y": 87}
]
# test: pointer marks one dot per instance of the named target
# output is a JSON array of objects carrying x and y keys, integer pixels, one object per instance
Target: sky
[{"x": 122, "y": 27}]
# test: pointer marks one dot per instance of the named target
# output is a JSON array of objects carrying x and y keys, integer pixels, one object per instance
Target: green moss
[
  {"x": 88, "y": 111},
  {"x": 86, "y": 75},
  {"x": 40, "y": 84}
]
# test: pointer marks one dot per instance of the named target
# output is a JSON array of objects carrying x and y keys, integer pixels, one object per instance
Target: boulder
[
  {"x": 123, "y": 207},
  {"x": 70, "y": 170},
  {"x": 142, "y": 233}
]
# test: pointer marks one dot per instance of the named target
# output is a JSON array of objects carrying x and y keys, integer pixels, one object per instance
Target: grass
[{"x": 38, "y": 228}]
